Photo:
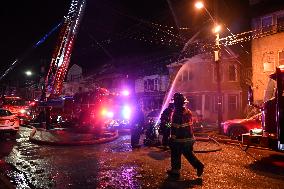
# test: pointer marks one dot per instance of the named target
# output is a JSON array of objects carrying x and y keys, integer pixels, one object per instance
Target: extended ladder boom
[{"x": 62, "y": 52}]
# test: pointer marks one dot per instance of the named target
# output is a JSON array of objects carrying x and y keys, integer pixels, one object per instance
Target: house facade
[
  {"x": 267, "y": 48},
  {"x": 151, "y": 91},
  {"x": 115, "y": 82},
  {"x": 74, "y": 81},
  {"x": 196, "y": 78}
]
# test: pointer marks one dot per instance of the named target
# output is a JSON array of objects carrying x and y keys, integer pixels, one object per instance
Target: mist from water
[{"x": 173, "y": 88}]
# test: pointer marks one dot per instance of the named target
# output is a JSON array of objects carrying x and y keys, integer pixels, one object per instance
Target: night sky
[{"x": 120, "y": 32}]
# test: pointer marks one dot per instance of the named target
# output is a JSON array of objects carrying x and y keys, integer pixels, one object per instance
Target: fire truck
[
  {"x": 17, "y": 106},
  {"x": 272, "y": 133},
  {"x": 89, "y": 110},
  {"x": 99, "y": 108},
  {"x": 81, "y": 112}
]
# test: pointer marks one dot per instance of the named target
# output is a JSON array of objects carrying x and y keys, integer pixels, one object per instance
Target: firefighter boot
[
  {"x": 200, "y": 170},
  {"x": 175, "y": 174}
]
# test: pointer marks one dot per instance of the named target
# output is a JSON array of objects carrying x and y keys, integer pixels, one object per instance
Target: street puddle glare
[
  {"x": 19, "y": 179},
  {"x": 34, "y": 166},
  {"x": 122, "y": 144},
  {"x": 28, "y": 169},
  {"x": 122, "y": 177}
]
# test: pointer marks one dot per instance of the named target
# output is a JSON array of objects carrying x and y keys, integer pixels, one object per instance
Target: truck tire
[{"x": 236, "y": 132}]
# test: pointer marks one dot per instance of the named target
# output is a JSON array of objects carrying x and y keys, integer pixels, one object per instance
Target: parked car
[
  {"x": 236, "y": 127},
  {"x": 9, "y": 123},
  {"x": 197, "y": 122}
]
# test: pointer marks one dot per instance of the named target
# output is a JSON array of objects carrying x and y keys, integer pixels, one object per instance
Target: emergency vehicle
[
  {"x": 17, "y": 106},
  {"x": 272, "y": 133}
]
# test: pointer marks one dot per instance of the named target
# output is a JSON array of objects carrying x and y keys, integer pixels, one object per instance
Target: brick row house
[{"x": 267, "y": 47}]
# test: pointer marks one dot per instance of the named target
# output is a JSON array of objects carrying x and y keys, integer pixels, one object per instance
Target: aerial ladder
[{"x": 62, "y": 52}]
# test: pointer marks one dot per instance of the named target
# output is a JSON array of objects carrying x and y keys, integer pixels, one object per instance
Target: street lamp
[
  {"x": 216, "y": 30},
  {"x": 28, "y": 73}
]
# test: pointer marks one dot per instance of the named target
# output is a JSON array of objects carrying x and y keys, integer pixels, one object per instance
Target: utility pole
[
  {"x": 219, "y": 93},
  {"x": 216, "y": 30}
]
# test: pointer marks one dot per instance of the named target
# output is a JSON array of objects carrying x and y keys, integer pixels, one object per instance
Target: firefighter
[
  {"x": 165, "y": 124},
  {"x": 182, "y": 139},
  {"x": 137, "y": 125}
]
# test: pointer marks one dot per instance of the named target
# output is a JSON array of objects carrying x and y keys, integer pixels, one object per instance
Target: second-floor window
[
  {"x": 187, "y": 75},
  {"x": 280, "y": 22},
  {"x": 281, "y": 58},
  {"x": 266, "y": 23},
  {"x": 232, "y": 73}
]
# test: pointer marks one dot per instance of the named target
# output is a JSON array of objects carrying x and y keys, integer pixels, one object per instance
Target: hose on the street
[{"x": 208, "y": 139}]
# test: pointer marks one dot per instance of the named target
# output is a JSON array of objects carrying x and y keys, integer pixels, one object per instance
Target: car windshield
[
  {"x": 5, "y": 113},
  {"x": 13, "y": 102}
]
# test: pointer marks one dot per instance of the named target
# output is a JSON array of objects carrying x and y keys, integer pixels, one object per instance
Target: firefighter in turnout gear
[
  {"x": 137, "y": 125},
  {"x": 182, "y": 139},
  {"x": 165, "y": 124}
]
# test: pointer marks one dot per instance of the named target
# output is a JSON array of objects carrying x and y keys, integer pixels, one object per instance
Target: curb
[{"x": 70, "y": 143}]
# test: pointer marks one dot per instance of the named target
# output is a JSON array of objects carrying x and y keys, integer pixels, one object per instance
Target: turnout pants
[{"x": 185, "y": 148}]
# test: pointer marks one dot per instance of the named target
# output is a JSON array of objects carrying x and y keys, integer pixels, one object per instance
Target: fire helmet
[{"x": 179, "y": 99}]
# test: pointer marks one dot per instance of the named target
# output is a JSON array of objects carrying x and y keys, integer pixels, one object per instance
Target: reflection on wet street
[
  {"x": 116, "y": 165},
  {"x": 72, "y": 167}
]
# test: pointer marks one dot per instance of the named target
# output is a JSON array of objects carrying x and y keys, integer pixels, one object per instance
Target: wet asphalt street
[{"x": 116, "y": 165}]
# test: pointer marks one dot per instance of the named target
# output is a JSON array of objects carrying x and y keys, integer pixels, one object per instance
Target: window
[
  {"x": 184, "y": 75},
  {"x": 156, "y": 103},
  {"x": 266, "y": 23},
  {"x": 281, "y": 58},
  {"x": 207, "y": 102},
  {"x": 149, "y": 85},
  {"x": 232, "y": 102},
  {"x": 268, "y": 61},
  {"x": 187, "y": 75},
  {"x": 215, "y": 73},
  {"x": 145, "y": 85},
  {"x": 232, "y": 73},
  {"x": 215, "y": 105},
  {"x": 4, "y": 113},
  {"x": 156, "y": 85},
  {"x": 280, "y": 22},
  {"x": 192, "y": 103}
]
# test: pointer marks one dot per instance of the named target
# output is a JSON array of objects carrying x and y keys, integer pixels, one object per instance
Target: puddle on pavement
[
  {"x": 122, "y": 177},
  {"x": 31, "y": 170},
  {"x": 122, "y": 144}
]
